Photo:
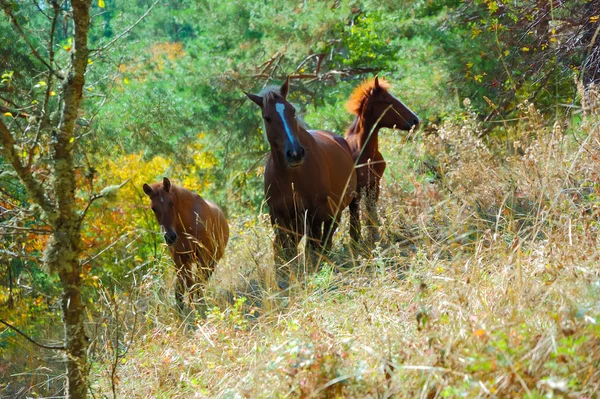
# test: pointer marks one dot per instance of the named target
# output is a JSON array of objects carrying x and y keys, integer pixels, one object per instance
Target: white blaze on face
[{"x": 279, "y": 107}]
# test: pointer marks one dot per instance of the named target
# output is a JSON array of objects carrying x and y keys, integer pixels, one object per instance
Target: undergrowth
[{"x": 485, "y": 284}]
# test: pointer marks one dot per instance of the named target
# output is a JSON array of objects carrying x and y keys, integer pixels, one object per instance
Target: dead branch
[{"x": 21, "y": 333}]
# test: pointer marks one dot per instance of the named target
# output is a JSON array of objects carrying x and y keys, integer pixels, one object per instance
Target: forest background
[{"x": 505, "y": 159}]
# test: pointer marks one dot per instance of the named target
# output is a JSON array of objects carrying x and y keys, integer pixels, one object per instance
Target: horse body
[
  {"x": 375, "y": 108},
  {"x": 309, "y": 179},
  {"x": 196, "y": 231}
]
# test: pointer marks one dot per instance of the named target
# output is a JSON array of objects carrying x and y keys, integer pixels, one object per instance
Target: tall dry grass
[{"x": 485, "y": 284}]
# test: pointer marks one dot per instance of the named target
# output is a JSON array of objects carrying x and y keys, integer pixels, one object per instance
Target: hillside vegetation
[{"x": 485, "y": 282}]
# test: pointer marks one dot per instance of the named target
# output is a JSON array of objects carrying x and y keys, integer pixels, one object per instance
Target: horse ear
[
  {"x": 377, "y": 81},
  {"x": 258, "y": 100},
  {"x": 147, "y": 189},
  {"x": 285, "y": 87},
  {"x": 166, "y": 184}
]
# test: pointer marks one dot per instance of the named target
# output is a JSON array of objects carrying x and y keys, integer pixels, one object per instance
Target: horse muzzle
[
  {"x": 415, "y": 123},
  {"x": 170, "y": 238},
  {"x": 295, "y": 157}
]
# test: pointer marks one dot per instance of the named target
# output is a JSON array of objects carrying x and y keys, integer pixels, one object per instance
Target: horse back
[
  {"x": 205, "y": 226},
  {"x": 217, "y": 227}
]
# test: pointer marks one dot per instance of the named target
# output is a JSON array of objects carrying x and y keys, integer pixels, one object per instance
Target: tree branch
[
  {"x": 15, "y": 113},
  {"x": 51, "y": 347},
  {"x": 36, "y": 192},
  {"x": 126, "y": 31},
  {"x": 6, "y": 6}
]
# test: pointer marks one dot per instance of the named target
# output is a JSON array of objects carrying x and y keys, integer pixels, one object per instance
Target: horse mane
[
  {"x": 270, "y": 93},
  {"x": 363, "y": 93}
]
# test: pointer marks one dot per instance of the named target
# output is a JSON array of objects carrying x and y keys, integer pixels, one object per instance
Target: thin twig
[
  {"x": 51, "y": 347},
  {"x": 126, "y": 31},
  {"x": 8, "y": 11}
]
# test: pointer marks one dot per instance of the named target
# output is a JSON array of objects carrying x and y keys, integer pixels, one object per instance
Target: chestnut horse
[
  {"x": 196, "y": 232},
  {"x": 374, "y": 108},
  {"x": 309, "y": 179}
]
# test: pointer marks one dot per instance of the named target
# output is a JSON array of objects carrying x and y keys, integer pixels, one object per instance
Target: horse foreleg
[
  {"x": 205, "y": 267},
  {"x": 329, "y": 229},
  {"x": 315, "y": 246},
  {"x": 355, "y": 219},
  {"x": 285, "y": 248},
  {"x": 183, "y": 266},
  {"x": 373, "y": 219}
]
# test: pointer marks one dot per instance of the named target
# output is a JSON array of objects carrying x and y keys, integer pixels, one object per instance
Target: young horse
[
  {"x": 309, "y": 179},
  {"x": 196, "y": 232},
  {"x": 374, "y": 108}
]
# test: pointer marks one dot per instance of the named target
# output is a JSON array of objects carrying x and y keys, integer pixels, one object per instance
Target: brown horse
[
  {"x": 196, "y": 232},
  {"x": 309, "y": 178},
  {"x": 374, "y": 108}
]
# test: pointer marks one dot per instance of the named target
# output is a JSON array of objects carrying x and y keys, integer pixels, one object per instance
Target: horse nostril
[
  {"x": 170, "y": 238},
  {"x": 289, "y": 154},
  {"x": 301, "y": 152}
]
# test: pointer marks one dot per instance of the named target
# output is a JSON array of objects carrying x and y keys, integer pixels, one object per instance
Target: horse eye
[{"x": 267, "y": 119}]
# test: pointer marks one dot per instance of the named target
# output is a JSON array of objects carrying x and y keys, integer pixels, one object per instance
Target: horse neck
[
  {"x": 183, "y": 200},
  {"x": 367, "y": 131}
]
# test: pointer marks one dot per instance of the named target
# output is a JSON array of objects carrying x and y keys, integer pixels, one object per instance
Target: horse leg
[
  {"x": 285, "y": 249},
  {"x": 329, "y": 229},
  {"x": 355, "y": 219},
  {"x": 314, "y": 246},
  {"x": 373, "y": 219},
  {"x": 198, "y": 281},
  {"x": 179, "y": 283}
]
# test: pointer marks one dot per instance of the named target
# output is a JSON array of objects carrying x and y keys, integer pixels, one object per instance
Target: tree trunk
[{"x": 66, "y": 244}]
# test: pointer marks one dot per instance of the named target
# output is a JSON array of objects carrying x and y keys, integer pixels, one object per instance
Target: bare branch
[
  {"x": 15, "y": 113},
  {"x": 8, "y": 11},
  {"x": 36, "y": 192},
  {"x": 126, "y": 31},
  {"x": 105, "y": 192},
  {"x": 28, "y": 229},
  {"x": 15, "y": 329}
]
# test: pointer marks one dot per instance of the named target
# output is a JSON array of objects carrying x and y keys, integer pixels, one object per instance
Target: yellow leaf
[
  {"x": 594, "y": 19},
  {"x": 72, "y": 139},
  {"x": 479, "y": 333},
  {"x": 7, "y": 114},
  {"x": 526, "y": 49},
  {"x": 52, "y": 93},
  {"x": 101, "y": 3},
  {"x": 126, "y": 81},
  {"x": 90, "y": 62}
]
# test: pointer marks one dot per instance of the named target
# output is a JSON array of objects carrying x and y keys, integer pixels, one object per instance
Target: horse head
[
  {"x": 281, "y": 124},
  {"x": 161, "y": 198},
  {"x": 373, "y": 99}
]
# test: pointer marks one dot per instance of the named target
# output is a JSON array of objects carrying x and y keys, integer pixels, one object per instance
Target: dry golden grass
[{"x": 485, "y": 285}]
